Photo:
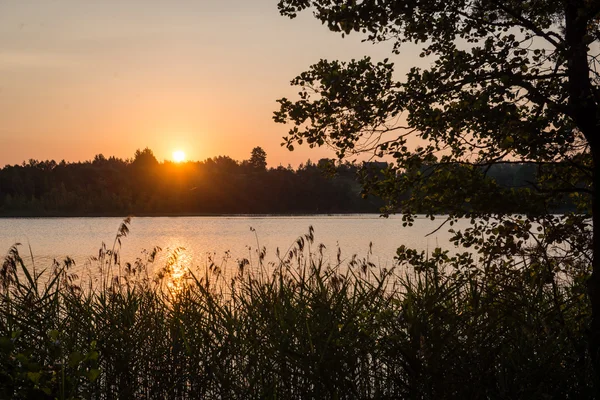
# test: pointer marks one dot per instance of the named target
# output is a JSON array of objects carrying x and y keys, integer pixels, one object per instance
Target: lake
[{"x": 204, "y": 237}]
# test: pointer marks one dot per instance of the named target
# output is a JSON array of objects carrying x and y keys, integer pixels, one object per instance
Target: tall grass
[{"x": 435, "y": 327}]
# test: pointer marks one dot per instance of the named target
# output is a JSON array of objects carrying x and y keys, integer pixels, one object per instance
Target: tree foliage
[
  {"x": 258, "y": 159},
  {"x": 508, "y": 81},
  {"x": 498, "y": 88},
  {"x": 142, "y": 158}
]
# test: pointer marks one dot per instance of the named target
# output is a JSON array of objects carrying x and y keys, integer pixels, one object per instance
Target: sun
[{"x": 178, "y": 156}]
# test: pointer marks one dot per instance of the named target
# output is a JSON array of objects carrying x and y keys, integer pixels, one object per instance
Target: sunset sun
[{"x": 178, "y": 156}]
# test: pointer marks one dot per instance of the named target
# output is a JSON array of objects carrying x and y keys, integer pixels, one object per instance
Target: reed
[{"x": 436, "y": 326}]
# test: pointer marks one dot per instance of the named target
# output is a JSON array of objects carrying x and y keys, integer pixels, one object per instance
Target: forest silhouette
[{"x": 220, "y": 185}]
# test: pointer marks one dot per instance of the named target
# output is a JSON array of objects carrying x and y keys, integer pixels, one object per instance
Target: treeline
[
  {"x": 220, "y": 185},
  {"x": 143, "y": 186}
]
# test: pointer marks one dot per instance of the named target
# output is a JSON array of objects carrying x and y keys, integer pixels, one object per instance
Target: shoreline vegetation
[{"x": 435, "y": 326}]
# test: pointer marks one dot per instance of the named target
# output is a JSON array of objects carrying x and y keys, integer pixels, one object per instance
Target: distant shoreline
[
  {"x": 175, "y": 215},
  {"x": 166, "y": 215}
]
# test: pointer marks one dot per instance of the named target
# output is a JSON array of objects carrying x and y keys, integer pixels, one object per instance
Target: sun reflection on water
[
  {"x": 176, "y": 270},
  {"x": 182, "y": 267}
]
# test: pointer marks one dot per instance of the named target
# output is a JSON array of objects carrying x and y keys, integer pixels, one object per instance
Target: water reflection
[
  {"x": 180, "y": 266},
  {"x": 211, "y": 241},
  {"x": 175, "y": 271}
]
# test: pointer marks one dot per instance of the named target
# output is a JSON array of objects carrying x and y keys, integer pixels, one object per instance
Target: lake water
[{"x": 204, "y": 237}]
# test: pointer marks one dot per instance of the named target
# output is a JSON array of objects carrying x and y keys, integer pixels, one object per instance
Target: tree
[
  {"x": 509, "y": 81},
  {"x": 258, "y": 159},
  {"x": 99, "y": 159},
  {"x": 144, "y": 158}
]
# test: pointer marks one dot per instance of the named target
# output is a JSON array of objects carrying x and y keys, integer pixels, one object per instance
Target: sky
[{"x": 82, "y": 77}]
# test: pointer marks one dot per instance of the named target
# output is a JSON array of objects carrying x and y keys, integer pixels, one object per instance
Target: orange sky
[{"x": 82, "y": 77}]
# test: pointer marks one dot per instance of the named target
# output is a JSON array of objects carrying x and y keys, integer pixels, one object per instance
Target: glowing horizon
[
  {"x": 70, "y": 88},
  {"x": 178, "y": 156}
]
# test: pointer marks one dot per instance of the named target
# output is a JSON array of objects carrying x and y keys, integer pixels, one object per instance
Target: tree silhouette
[
  {"x": 508, "y": 81},
  {"x": 143, "y": 186},
  {"x": 258, "y": 159}
]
